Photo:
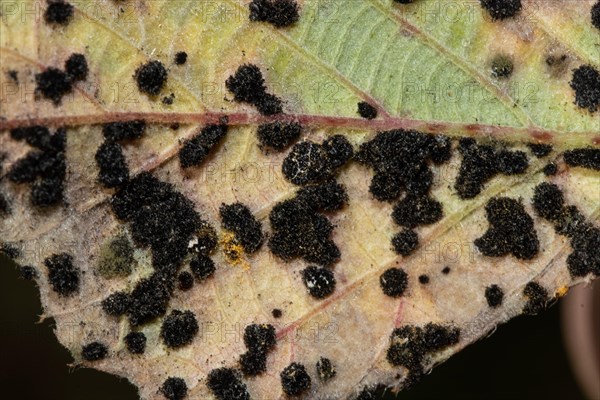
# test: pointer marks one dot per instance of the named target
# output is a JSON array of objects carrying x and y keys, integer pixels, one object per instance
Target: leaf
[{"x": 429, "y": 66}]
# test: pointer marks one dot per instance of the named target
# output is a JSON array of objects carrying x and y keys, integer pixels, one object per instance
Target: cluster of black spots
[
  {"x": 174, "y": 388},
  {"x": 94, "y": 351},
  {"x": 117, "y": 131},
  {"x": 151, "y": 77},
  {"x": 248, "y": 86},
  {"x": 116, "y": 304},
  {"x": 58, "y": 12},
  {"x": 550, "y": 169},
  {"x": 259, "y": 340},
  {"x": 279, "y": 13},
  {"x": 501, "y": 9},
  {"x": 179, "y": 328},
  {"x": 511, "y": 230},
  {"x": 370, "y": 392},
  {"x": 203, "y": 267},
  {"x": 494, "y": 296},
  {"x": 394, "y": 282},
  {"x": 548, "y": 202},
  {"x": 405, "y": 242},
  {"x": 195, "y": 150},
  {"x": 276, "y": 313},
  {"x": 226, "y": 384},
  {"x": 537, "y": 298},
  {"x": 540, "y": 150},
  {"x": 299, "y": 230},
  {"x": 410, "y": 345},
  {"x": 10, "y": 250},
  {"x": 595, "y": 15},
  {"x": 113, "y": 167},
  {"x": 54, "y": 83},
  {"x": 557, "y": 64},
  {"x": 135, "y": 342},
  {"x": 149, "y": 299},
  {"x": 238, "y": 219},
  {"x": 325, "y": 369},
  {"x": 310, "y": 163},
  {"x": 366, "y": 110},
  {"x": 45, "y": 166},
  {"x": 319, "y": 281},
  {"x": 481, "y": 163},
  {"x": 423, "y": 279},
  {"x": 185, "y": 281},
  {"x": 76, "y": 67},
  {"x": 413, "y": 211},
  {"x": 181, "y": 58},
  {"x": 29, "y": 272},
  {"x": 62, "y": 274},
  {"x": 502, "y": 67},
  {"x": 278, "y": 135},
  {"x": 294, "y": 379},
  {"x": 586, "y": 84},
  {"x": 586, "y": 158}
]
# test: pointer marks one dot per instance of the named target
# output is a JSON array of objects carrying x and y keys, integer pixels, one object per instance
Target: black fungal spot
[
  {"x": 151, "y": 77},
  {"x": 423, "y": 279},
  {"x": 586, "y": 84},
  {"x": 116, "y": 304},
  {"x": 370, "y": 392},
  {"x": 494, "y": 296},
  {"x": 511, "y": 230},
  {"x": 116, "y": 258},
  {"x": 278, "y": 135},
  {"x": 411, "y": 345},
  {"x": 328, "y": 196},
  {"x": 481, "y": 163},
  {"x": 279, "y": 13},
  {"x": 13, "y": 75},
  {"x": 557, "y": 64},
  {"x": 413, "y": 211},
  {"x": 179, "y": 328},
  {"x": 185, "y": 281},
  {"x": 366, "y": 110},
  {"x": 259, "y": 340},
  {"x": 58, "y": 12},
  {"x": 135, "y": 342},
  {"x": 253, "y": 364},
  {"x": 325, "y": 369},
  {"x": 537, "y": 298},
  {"x": 595, "y": 15},
  {"x": 94, "y": 351},
  {"x": 248, "y": 86},
  {"x": 405, "y": 242},
  {"x": 586, "y": 158},
  {"x": 394, "y": 282},
  {"x": 181, "y": 58},
  {"x": 195, "y": 150},
  {"x": 339, "y": 150},
  {"x": 238, "y": 219},
  {"x": 225, "y": 384},
  {"x": 550, "y": 169},
  {"x": 202, "y": 267},
  {"x": 446, "y": 270},
  {"x": 294, "y": 379},
  {"x": 540, "y": 150},
  {"x": 29, "y": 273},
  {"x": 174, "y": 388},
  {"x": 501, "y": 9},
  {"x": 404, "y": 1},
  {"x": 10, "y": 250},
  {"x": 168, "y": 100},
  {"x": 276, "y": 313},
  {"x": 113, "y": 168},
  {"x": 76, "y": 67},
  {"x": 149, "y": 299},
  {"x": 502, "y": 67},
  {"x": 320, "y": 282},
  {"x": 206, "y": 240},
  {"x": 548, "y": 201},
  {"x": 62, "y": 274},
  {"x": 53, "y": 84},
  {"x": 117, "y": 131},
  {"x": 4, "y": 204}
]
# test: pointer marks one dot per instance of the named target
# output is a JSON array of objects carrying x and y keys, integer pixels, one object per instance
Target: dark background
[{"x": 524, "y": 359}]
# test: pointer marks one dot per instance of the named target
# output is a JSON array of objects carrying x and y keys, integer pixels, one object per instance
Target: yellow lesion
[
  {"x": 233, "y": 251},
  {"x": 562, "y": 291}
]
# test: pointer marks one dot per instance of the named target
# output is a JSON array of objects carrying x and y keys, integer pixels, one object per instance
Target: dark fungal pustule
[
  {"x": 117, "y": 131},
  {"x": 259, "y": 340},
  {"x": 276, "y": 313},
  {"x": 238, "y": 219},
  {"x": 595, "y": 15},
  {"x": 494, "y": 296},
  {"x": 179, "y": 328},
  {"x": 502, "y": 67},
  {"x": 58, "y": 12},
  {"x": 411, "y": 345},
  {"x": 151, "y": 77},
  {"x": 537, "y": 298},
  {"x": 253, "y": 363},
  {"x": 181, "y": 58},
  {"x": 13, "y": 75},
  {"x": 76, "y": 67},
  {"x": 586, "y": 84},
  {"x": 540, "y": 150},
  {"x": 278, "y": 135},
  {"x": 294, "y": 379},
  {"x": 168, "y": 100},
  {"x": 394, "y": 282},
  {"x": 413, "y": 211},
  {"x": 94, "y": 351},
  {"x": 320, "y": 282},
  {"x": 405, "y": 242},
  {"x": 62, "y": 274},
  {"x": 116, "y": 304},
  {"x": 10, "y": 250},
  {"x": 185, "y": 281},
  {"x": 481, "y": 163},
  {"x": 366, "y": 110},
  {"x": 196, "y": 149},
  {"x": 206, "y": 240},
  {"x": 423, "y": 279},
  {"x": 585, "y": 158},
  {"x": 404, "y": 1},
  {"x": 135, "y": 342},
  {"x": 328, "y": 196},
  {"x": 370, "y": 392},
  {"x": 511, "y": 230},
  {"x": 29, "y": 272},
  {"x": 325, "y": 369},
  {"x": 225, "y": 384},
  {"x": 4, "y": 205},
  {"x": 113, "y": 168},
  {"x": 446, "y": 270},
  {"x": 501, "y": 9},
  {"x": 53, "y": 84},
  {"x": 550, "y": 169},
  {"x": 203, "y": 267},
  {"x": 174, "y": 388},
  {"x": 248, "y": 86},
  {"x": 149, "y": 299},
  {"x": 279, "y": 13}
]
